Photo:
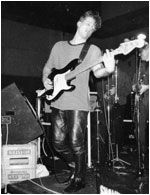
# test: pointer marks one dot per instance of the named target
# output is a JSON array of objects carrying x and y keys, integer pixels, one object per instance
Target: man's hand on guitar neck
[
  {"x": 101, "y": 70},
  {"x": 109, "y": 61}
]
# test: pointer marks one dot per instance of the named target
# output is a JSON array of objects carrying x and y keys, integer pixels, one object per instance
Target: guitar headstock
[{"x": 128, "y": 46}]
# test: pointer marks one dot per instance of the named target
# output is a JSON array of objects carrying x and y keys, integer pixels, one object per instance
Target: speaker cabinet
[{"x": 19, "y": 124}]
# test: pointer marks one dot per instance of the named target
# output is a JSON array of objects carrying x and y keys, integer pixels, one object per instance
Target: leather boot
[
  {"x": 80, "y": 165},
  {"x": 76, "y": 185},
  {"x": 79, "y": 180},
  {"x": 68, "y": 159},
  {"x": 71, "y": 177},
  {"x": 69, "y": 180}
]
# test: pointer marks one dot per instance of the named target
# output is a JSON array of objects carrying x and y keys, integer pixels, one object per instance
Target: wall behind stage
[{"x": 25, "y": 48}]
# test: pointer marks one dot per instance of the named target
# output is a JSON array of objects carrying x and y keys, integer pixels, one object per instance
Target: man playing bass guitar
[{"x": 70, "y": 110}]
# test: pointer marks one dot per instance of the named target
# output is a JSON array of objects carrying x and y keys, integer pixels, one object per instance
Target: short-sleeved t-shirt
[{"x": 61, "y": 55}]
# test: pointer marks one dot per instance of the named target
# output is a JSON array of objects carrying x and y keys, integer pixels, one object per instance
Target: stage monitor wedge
[{"x": 24, "y": 126}]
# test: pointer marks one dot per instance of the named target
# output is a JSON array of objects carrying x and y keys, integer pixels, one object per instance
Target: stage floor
[
  {"x": 123, "y": 181},
  {"x": 110, "y": 179}
]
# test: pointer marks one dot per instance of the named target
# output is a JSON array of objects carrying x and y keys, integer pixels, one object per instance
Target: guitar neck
[{"x": 85, "y": 66}]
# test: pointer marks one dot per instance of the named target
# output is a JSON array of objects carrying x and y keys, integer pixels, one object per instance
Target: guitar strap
[{"x": 83, "y": 52}]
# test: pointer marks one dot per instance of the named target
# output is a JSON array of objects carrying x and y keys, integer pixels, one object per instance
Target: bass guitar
[{"x": 61, "y": 78}]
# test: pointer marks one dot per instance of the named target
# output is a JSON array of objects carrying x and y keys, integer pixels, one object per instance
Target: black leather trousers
[{"x": 69, "y": 137}]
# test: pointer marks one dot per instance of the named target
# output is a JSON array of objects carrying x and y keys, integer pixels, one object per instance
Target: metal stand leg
[
  {"x": 98, "y": 135},
  {"x": 38, "y": 109},
  {"x": 117, "y": 159},
  {"x": 110, "y": 148},
  {"x": 89, "y": 141},
  {"x": 98, "y": 165},
  {"x": 140, "y": 173}
]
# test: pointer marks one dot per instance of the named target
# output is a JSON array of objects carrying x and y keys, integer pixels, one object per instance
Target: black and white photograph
[{"x": 74, "y": 97}]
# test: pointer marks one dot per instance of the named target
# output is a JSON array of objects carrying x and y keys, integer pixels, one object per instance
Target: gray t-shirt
[{"x": 62, "y": 54}]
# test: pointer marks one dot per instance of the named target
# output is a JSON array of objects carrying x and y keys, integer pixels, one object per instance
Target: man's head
[
  {"x": 88, "y": 23},
  {"x": 95, "y": 15}
]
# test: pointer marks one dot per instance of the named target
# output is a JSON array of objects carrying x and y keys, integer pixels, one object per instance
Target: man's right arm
[
  {"x": 46, "y": 72},
  {"x": 47, "y": 69},
  {"x": 46, "y": 81}
]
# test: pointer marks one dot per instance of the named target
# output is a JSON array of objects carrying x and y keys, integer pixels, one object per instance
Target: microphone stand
[
  {"x": 117, "y": 159},
  {"x": 98, "y": 171},
  {"x": 137, "y": 105},
  {"x": 110, "y": 149}
]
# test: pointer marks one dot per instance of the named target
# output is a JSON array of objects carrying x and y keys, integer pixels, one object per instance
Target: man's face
[{"x": 86, "y": 27}]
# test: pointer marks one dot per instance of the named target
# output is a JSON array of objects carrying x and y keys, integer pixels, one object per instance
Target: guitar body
[{"x": 60, "y": 83}]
